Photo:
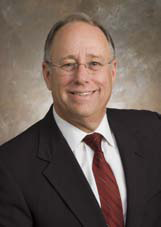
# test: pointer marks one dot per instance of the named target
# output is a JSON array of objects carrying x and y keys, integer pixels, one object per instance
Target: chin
[{"x": 84, "y": 113}]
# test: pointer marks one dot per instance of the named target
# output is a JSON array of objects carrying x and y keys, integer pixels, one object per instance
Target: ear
[
  {"x": 47, "y": 75},
  {"x": 113, "y": 70}
]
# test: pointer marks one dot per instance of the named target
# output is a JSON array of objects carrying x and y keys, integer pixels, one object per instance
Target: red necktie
[{"x": 106, "y": 184}]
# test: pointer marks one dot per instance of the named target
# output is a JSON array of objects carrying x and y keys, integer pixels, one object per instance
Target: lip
[
  {"x": 82, "y": 93},
  {"x": 83, "y": 97}
]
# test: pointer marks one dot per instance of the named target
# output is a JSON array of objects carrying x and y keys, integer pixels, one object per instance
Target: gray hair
[{"x": 73, "y": 18}]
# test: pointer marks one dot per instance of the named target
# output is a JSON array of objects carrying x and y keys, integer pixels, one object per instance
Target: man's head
[{"x": 79, "y": 68}]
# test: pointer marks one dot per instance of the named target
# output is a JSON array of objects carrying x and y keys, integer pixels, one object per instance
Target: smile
[{"x": 86, "y": 93}]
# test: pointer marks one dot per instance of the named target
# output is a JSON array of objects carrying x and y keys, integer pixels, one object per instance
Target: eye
[
  {"x": 68, "y": 66},
  {"x": 95, "y": 65}
]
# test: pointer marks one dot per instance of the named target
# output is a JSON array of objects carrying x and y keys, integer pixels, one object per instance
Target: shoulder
[
  {"x": 24, "y": 147},
  {"x": 16, "y": 147},
  {"x": 134, "y": 114},
  {"x": 135, "y": 118}
]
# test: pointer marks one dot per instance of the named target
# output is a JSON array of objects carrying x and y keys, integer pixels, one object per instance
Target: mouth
[{"x": 84, "y": 93}]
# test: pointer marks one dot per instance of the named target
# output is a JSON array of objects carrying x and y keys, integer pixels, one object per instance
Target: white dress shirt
[{"x": 84, "y": 154}]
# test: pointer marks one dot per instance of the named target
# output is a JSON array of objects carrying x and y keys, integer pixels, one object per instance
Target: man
[{"x": 50, "y": 175}]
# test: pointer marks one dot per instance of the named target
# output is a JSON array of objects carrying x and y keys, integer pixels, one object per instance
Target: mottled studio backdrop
[{"x": 136, "y": 29}]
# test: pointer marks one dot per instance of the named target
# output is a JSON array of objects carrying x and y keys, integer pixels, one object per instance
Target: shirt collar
[
  {"x": 105, "y": 131},
  {"x": 74, "y": 135}
]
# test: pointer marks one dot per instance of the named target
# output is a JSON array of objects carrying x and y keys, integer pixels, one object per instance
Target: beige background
[{"x": 136, "y": 29}]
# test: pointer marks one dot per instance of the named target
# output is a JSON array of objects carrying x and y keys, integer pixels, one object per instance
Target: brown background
[{"x": 136, "y": 29}]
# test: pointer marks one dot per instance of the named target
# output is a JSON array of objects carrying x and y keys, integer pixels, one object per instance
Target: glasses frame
[{"x": 77, "y": 66}]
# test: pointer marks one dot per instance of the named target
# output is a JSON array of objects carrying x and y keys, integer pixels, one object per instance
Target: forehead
[{"x": 80, "y": 38}]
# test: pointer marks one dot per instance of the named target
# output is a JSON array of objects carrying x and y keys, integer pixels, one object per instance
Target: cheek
[
  {"x": 105, "y": 82},
  {"x": 60, "y": 85},
  {"x": 63, "y": 81},
  {"x": 106, "y": 88}
]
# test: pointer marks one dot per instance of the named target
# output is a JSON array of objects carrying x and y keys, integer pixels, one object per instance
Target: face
[{"x": 80, "y": 96}]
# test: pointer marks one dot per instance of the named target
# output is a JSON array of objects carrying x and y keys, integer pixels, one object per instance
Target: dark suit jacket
[{"x": 42, "y": 185}]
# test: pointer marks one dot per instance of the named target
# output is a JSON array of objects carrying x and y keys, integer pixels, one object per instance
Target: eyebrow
[
  {"x": 68, "y": 57},
  {"x": 88, "y": 55},
  {"x": 95, "y": 56}
]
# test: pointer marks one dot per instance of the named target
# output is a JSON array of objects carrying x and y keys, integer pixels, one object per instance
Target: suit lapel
[
  {"x": 66, "y": 176},
  {"x": 134, "y": 167}
]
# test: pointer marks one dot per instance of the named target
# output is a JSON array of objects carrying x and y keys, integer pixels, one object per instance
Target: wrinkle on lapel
[{"x": 65, "y": 175}]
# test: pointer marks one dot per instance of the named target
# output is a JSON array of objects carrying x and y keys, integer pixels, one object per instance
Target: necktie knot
[{"x": 94, "y": 141}]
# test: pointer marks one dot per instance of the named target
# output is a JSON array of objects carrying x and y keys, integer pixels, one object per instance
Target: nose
[
  {"x": 81, "y": 75},
  {"x": 84, "y": 64}
]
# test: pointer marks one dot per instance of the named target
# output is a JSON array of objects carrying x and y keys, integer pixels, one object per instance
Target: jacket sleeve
[{"x": 13, "y": 208}]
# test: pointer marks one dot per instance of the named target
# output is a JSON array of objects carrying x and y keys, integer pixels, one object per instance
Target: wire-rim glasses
[{"x": 92, "y": 66}]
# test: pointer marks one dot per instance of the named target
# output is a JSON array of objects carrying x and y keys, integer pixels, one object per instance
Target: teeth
[{"x": 83, "y": 93}]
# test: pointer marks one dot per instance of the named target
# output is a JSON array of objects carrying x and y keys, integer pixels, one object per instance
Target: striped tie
[{"x": 106, "y": 184}]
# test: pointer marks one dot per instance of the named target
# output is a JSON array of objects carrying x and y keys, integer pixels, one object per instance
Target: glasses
[{"x": 92, "y": 66}]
